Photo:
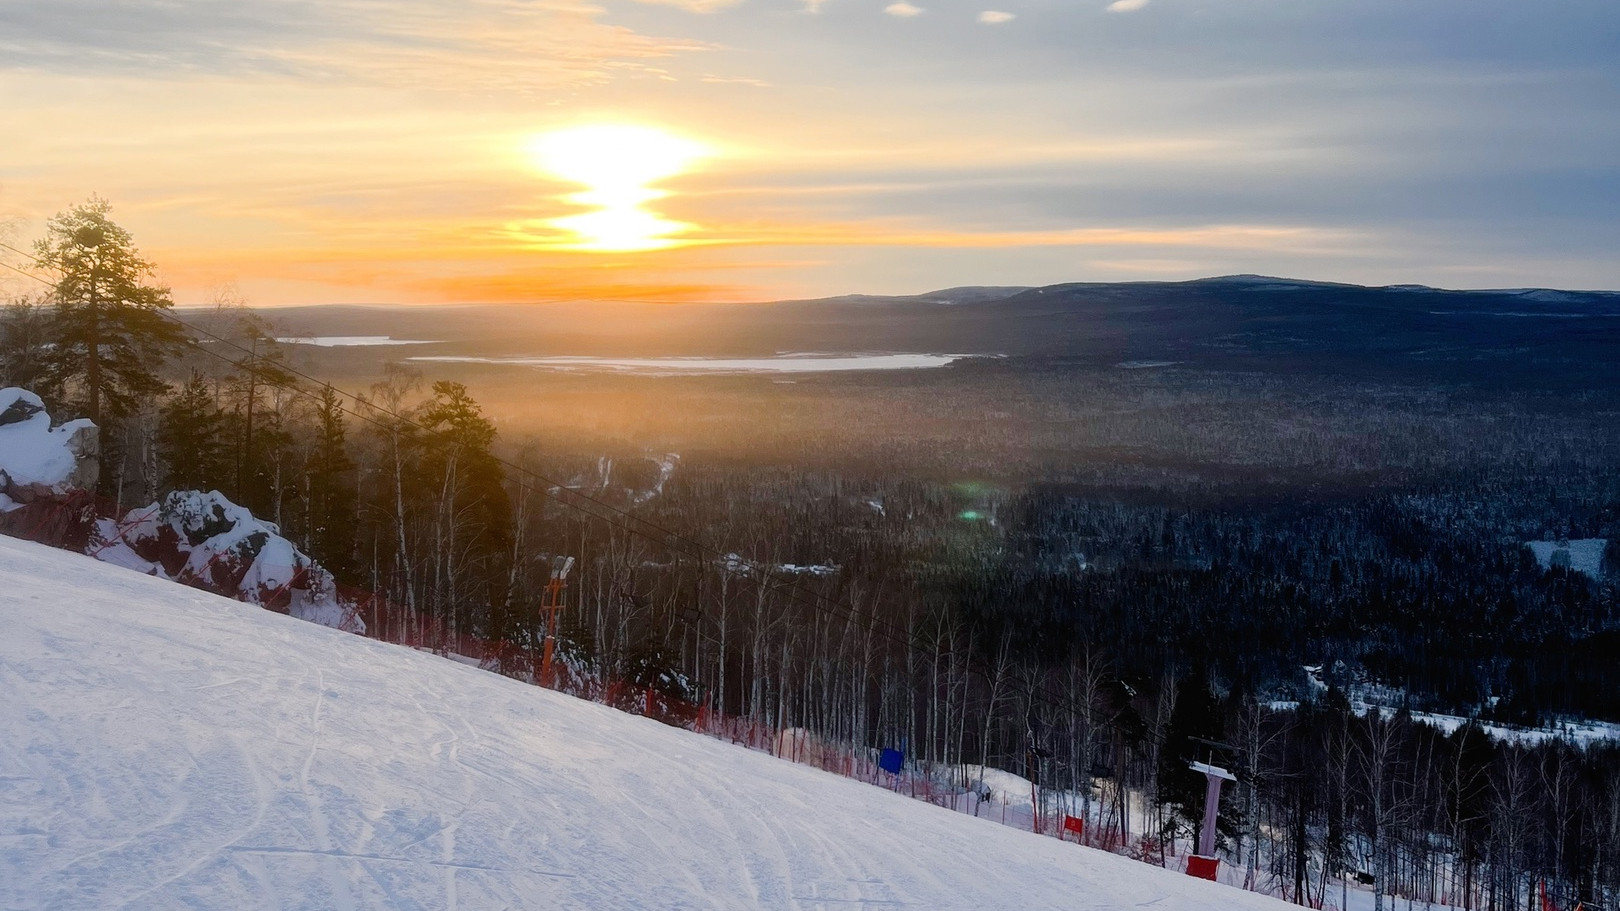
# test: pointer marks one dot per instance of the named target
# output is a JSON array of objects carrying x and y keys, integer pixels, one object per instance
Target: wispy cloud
[
  {"x": 734, "y": 80},
  {"x": 896, "y": 233},
  {"x": 995, "y": 17},
  {"x": 1126, "y": 6},
  {"x": 696, "y": 6},
  {"x": 477, "y": 45},
  {"x": 902, "y": 9},
  {"x": 813, "y": 6}
]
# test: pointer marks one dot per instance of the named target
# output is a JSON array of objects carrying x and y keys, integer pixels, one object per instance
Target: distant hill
[{"x": 1538, "y": 337}]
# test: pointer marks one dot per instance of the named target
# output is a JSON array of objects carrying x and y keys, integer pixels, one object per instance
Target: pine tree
[
  {"x": 259, "y": 377},
  {"x": 272, "y": 460},
  {"x": 191, "y": 438},
  {"x": 25, "y": 346},
  {"x": 111, "y": 336},
  {"x": 330, "y": 489},
  {"x": 472, "y": 515}
]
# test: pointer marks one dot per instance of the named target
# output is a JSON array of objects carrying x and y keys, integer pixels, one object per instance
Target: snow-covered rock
[
  {"x": 38, "y": 461},
  {"x": 205, "y": 540},
  {"x": 47, "y": 475}
]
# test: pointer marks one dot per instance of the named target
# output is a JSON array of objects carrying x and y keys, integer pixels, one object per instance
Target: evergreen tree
[
  {"x": 111, "y": 336},
  {"x": 259, "y": 378},
  {"x": 191, "y": 438},
  {"x": 271, "y": 462},
  {"x": 472, "y": 515},
  {"x": 330, "y": 489},
  {"x": 25, "y": 346},
  {"x": 459, "y": 455}
]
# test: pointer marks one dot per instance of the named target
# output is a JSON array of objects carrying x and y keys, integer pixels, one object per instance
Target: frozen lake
[
  {"x": 351, "y": 341},
  {"x": 679, "y": 366}
]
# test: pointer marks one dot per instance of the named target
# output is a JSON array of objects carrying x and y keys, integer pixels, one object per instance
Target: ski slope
[{"x": 167, "y": 748}]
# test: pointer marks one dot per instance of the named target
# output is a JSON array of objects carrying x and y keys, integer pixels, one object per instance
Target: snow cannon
[{"x": 1204, "y": 864}]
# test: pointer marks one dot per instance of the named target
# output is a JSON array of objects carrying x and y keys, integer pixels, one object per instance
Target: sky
[{"x": 407, "y": 151}]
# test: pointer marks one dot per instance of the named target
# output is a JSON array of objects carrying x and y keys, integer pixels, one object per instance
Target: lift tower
[{"x": 560, "y": 566}]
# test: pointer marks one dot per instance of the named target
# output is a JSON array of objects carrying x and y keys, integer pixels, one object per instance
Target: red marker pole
[{"x": 554, "y": 587}]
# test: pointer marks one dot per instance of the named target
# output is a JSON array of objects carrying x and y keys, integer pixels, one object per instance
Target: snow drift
[{"x": 169, "y": 748}]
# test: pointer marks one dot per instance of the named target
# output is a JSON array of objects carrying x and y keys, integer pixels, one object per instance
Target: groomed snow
[{"x": 166, "y": 748}]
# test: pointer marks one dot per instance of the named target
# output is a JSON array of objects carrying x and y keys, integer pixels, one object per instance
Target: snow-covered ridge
[{"x": 170, "y": 748}]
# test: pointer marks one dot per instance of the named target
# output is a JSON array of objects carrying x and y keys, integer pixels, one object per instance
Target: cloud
[
  {"x": 995, "y": 17},
  {"x": 735, "y": 80},
  {"x": 813, "y": 6},
  {"x": 696, "y": 6},
  {"x": 896, "y": 232},
  {"x": 902, "y": 9},
  {"x": 477, "y": 45},
  {"x": 1126, "y": 6}
]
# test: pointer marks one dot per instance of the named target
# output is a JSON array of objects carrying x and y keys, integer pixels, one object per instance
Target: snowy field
[
  {"x": 1579, "y": 733},
  {"x": 1387, "y": 701},
  {"x": 1583, "y": 555},
  {"x": 681, "y": 366},
  {"x": 166, "y": 748}
]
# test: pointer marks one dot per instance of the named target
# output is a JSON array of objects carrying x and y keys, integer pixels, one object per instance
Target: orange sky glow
[{"x": 417, "y": 151}]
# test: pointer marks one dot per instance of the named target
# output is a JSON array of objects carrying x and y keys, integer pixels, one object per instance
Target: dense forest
[{"x": 1092, "y": 628}]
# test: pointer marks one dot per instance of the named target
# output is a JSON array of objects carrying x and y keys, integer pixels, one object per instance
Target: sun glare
[{"x": 618, "y": 164}]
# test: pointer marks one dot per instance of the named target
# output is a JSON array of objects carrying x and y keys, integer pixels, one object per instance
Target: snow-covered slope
[{"x": 167, "y": 748}]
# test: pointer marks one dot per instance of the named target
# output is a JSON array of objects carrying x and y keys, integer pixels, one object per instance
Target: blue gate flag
[{"x": 891, "y": 761}]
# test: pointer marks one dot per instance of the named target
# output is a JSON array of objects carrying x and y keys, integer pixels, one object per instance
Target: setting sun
[{"x": 619, "y": 164}]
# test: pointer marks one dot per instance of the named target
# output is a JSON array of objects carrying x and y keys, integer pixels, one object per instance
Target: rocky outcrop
[
  {"x": 203, "y": 539},
  {"x": 47, "y": 478},
  {"x": 46, "y": 473}
]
